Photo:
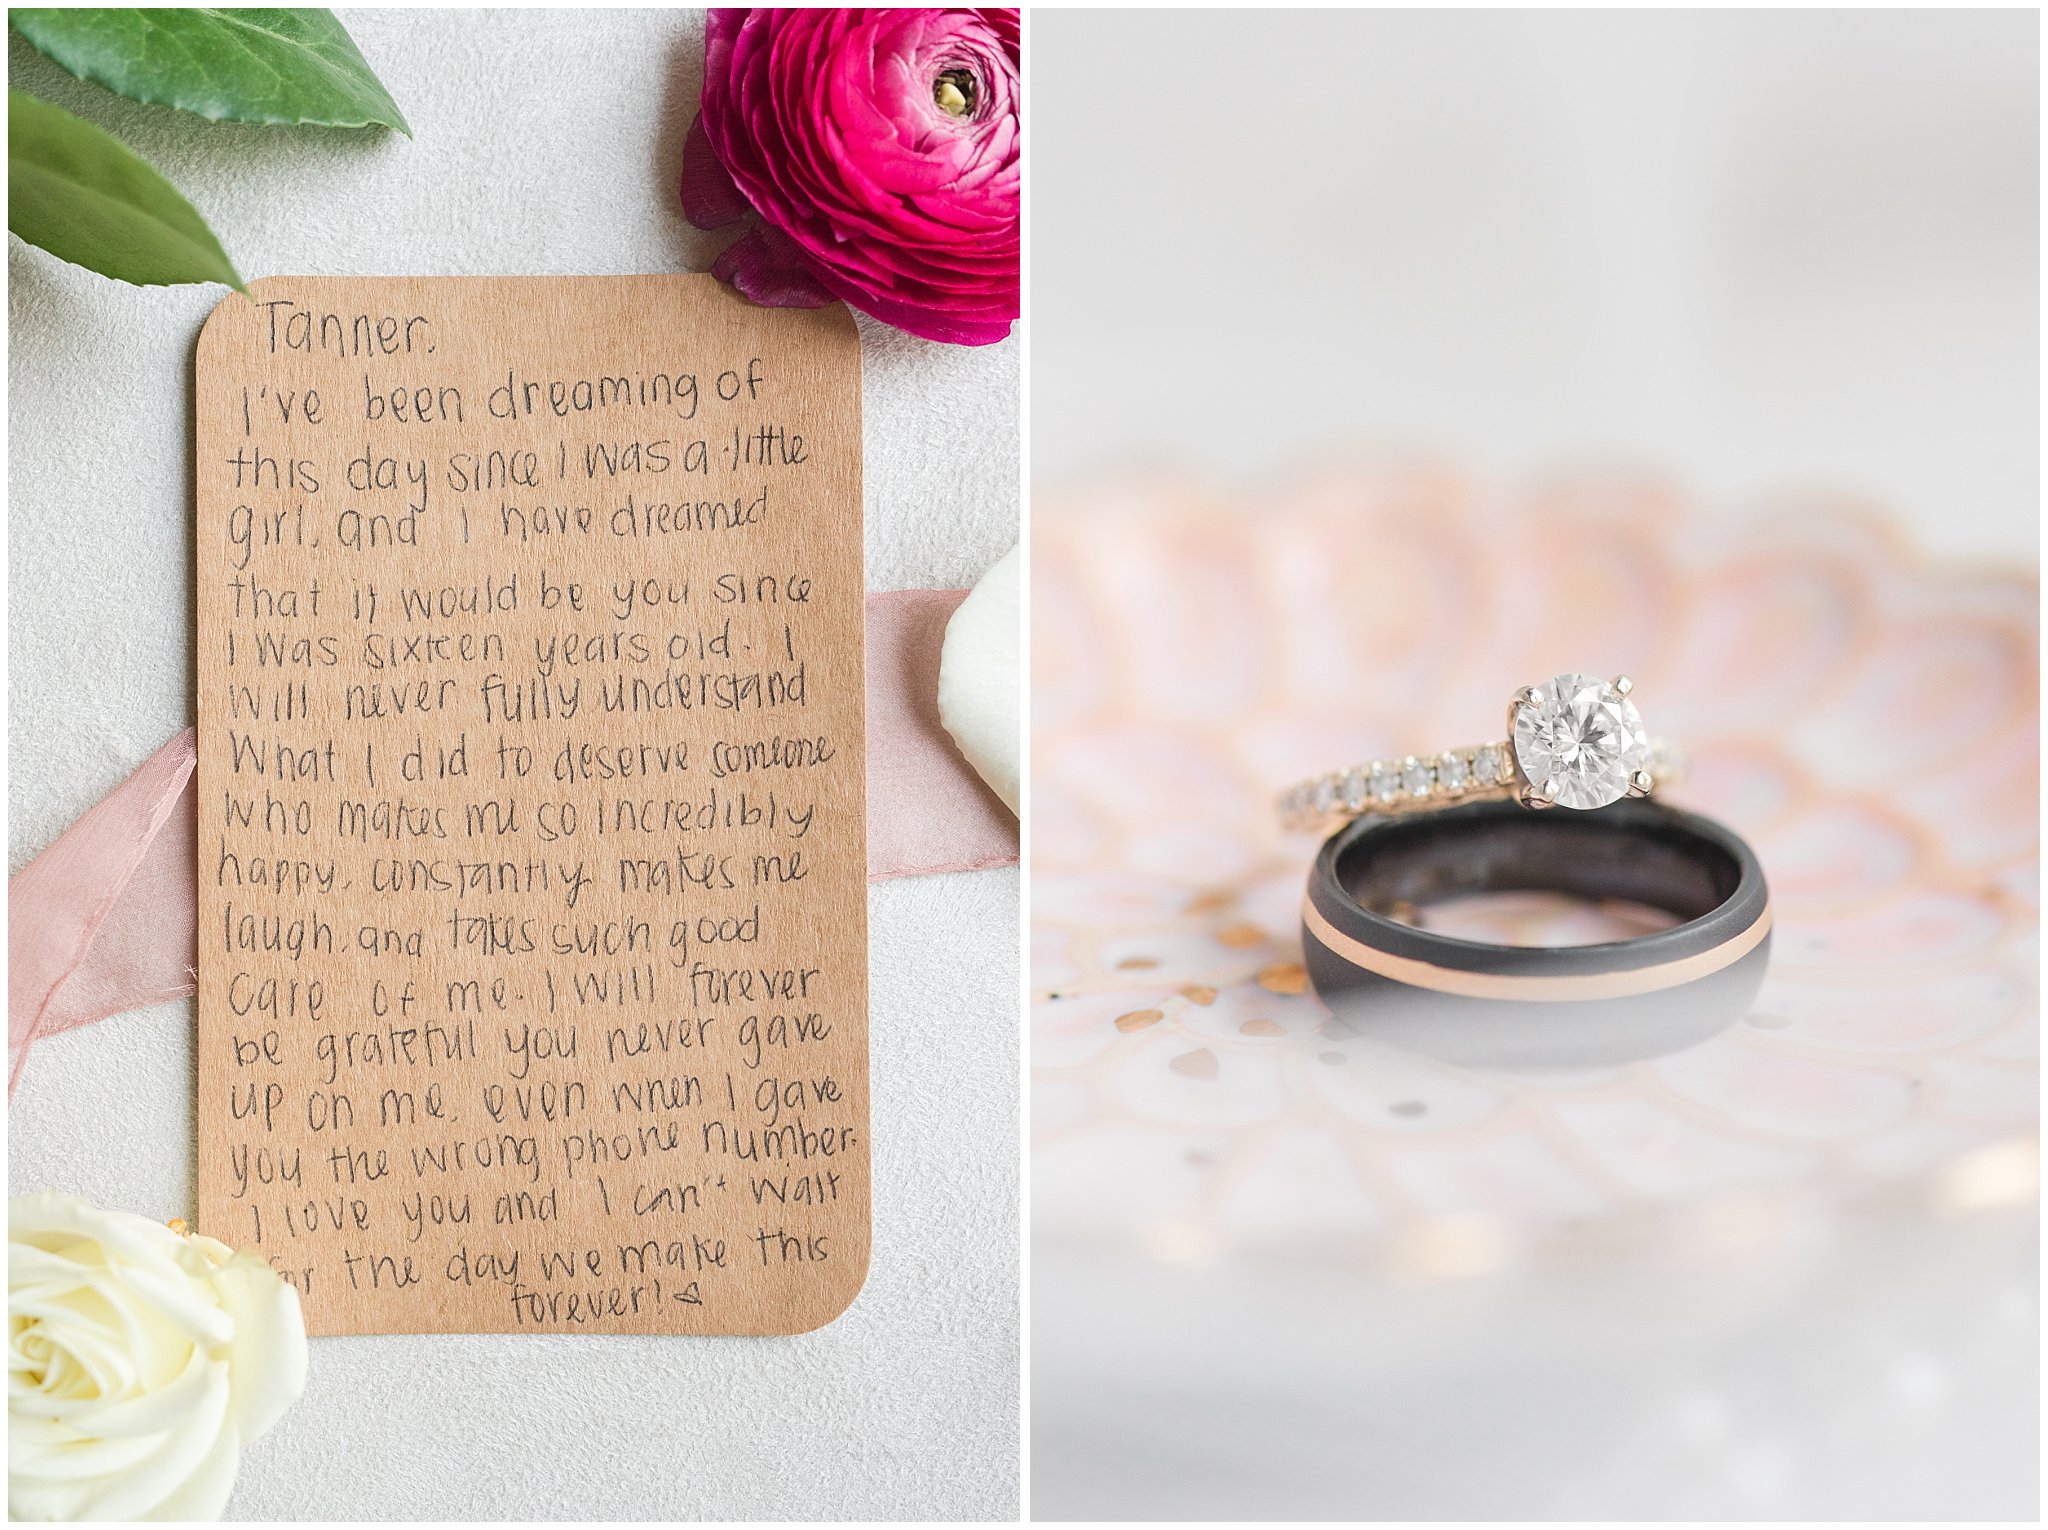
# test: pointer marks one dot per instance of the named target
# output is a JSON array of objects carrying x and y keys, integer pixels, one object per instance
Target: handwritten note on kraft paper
[{"x": 533, "y": 953}]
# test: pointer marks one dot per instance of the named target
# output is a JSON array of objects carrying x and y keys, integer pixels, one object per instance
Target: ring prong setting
[
  {"x": 1531, "y": 796},
  {"x": 1623, "y": 685},
  {"x": 1639, "y": 783}
]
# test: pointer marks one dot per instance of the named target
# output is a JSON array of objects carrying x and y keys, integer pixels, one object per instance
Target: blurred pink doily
[{"x": 1866, "y": 720}]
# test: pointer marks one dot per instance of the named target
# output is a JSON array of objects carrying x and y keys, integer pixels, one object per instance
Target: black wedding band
[{"x": 1471, "y": 1002}]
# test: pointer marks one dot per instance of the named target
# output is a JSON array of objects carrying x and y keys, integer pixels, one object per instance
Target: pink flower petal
[
  {"x": 769, "y": 268},
  {"x": 710, "y": 199}
]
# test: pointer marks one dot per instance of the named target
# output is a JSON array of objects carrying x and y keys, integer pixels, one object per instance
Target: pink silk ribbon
[{"x": 106, "y": 918}]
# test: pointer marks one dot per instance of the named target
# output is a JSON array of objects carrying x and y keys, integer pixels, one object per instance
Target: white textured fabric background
[{"x": 546, "y": 142}]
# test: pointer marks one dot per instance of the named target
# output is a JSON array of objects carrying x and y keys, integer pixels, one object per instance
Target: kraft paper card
[{"x": 533, "y": 951}]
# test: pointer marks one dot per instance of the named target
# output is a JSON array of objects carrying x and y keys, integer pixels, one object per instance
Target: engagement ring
[{"x": 1573, "y": 741}]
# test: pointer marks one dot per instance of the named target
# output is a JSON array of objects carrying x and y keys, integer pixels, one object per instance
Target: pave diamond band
[
  {"x": 1574, "y": 741},
  {"x": 1399, "y": 786}
]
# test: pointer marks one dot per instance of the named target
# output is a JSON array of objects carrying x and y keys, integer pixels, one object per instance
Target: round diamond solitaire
[{"x": 1579, "y": 741}]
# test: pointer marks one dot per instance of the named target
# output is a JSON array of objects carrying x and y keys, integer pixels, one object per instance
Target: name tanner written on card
[{"x": 532, "y": 986}]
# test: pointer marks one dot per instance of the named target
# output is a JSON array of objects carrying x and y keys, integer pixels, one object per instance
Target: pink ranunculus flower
[{"x": 880, "y": 150}]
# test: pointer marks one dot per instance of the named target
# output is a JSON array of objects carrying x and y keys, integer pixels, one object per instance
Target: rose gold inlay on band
[{"x": 1541, "y": 990}]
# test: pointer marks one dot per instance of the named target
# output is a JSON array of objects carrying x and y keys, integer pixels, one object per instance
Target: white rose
[
  {"x": 139, "y": 1360},
  {"x": 980, "y": 669}
]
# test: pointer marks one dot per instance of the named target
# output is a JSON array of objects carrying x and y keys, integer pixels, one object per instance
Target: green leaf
[
  {"x": 225, "y": 65},
  {"x": 80, "y": 193}
]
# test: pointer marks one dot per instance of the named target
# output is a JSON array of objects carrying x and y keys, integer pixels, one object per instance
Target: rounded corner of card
[
  {"x": 231, "y": 306},
  {"x": 832, "y": 1305}
]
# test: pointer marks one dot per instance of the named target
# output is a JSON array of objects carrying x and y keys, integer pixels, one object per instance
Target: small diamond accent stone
[
  {"x": 1386, "y": 785},
  {"x": 1450, "y": 772},
  {"x": 1488, "y": 765},
  {"x": 1352, "y": 790},
  {"x": 1326, "y": 795},
  {"x": 1417, "y": 777},
  {"x": 1580, "y": 742}
]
